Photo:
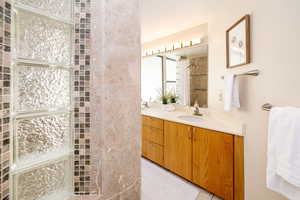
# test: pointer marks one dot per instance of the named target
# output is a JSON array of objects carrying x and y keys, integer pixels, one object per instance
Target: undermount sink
[{"x": 191, "y": 118}]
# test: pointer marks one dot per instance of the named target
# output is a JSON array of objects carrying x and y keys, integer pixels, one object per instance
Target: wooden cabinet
[
  {"x": 210, "y": 159},
  {"x": 178, "y": 148},
  {"x": 213, "y": 160},
  {"x": 153, "y": 139}
]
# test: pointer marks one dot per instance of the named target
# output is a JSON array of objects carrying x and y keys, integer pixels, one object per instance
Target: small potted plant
[
  {"x": 173, "y": 98},
  {"x": 165, "y": 99}
]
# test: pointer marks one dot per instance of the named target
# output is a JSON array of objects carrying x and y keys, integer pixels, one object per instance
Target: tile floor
[{"x": 160, "y": 184}]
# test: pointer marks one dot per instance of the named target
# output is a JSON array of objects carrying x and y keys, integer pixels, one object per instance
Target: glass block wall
[
  {"x": 45, "y": 149},
  {"x": 42, "y": 103}
]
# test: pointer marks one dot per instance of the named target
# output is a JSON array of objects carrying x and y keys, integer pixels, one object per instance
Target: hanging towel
[
  {"x": 283, "y": 168},
  {"x": 231, "y": 93}
]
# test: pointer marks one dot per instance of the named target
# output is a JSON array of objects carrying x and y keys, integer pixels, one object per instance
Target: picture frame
[{"x": 238, "y": 43}]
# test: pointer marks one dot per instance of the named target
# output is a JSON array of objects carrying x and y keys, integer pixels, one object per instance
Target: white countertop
[{"x": 208, "y": 123}]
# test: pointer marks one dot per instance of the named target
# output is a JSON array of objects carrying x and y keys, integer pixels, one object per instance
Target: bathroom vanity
[{"x": 206, "y": 153}]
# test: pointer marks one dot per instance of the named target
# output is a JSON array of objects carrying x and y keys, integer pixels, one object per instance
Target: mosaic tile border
[
  {"x": 5, "y": 83},
  {"x": 81, "y": 92}
]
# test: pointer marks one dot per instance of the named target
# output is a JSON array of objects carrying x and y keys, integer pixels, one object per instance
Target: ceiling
[{"x": 161, "y": 18}]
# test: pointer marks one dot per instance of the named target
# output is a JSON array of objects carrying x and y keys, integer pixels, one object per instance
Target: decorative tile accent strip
[
  {"x": 82, "y": 118},
  {"x": 5, "y": 79}
]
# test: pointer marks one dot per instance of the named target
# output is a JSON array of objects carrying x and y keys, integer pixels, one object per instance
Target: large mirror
[{"x": 181, "y": 75}]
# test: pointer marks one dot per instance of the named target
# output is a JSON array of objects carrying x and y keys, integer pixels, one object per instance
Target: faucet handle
[
  {"x": 196, "y": 105},
  {"x": 146, "y": 104},
  {"x": 197, "y": 109}
]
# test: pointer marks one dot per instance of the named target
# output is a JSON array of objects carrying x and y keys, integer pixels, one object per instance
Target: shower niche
[{"x": 42, "y": 150}]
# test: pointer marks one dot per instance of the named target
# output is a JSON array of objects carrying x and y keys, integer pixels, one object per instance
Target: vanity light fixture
[
  {"x": 171, "y": 47},
  {"x": 149, "y": 52},
  {"x": 196, "y": 41},
  {"x": 162, "y": 49},
  {"x": 186, "y": 43},
  {"x": 156, "y": 51},
  {"x": 178, "y": 45}
]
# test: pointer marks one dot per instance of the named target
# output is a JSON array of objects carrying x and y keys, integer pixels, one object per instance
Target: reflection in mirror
[
  {"x": 152, "y": 77},
  {"x": 182, "y": 73}
]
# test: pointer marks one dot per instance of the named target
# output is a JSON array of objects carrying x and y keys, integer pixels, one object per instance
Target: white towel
[
  {"x": 283, "y": 170},
  {"x": 231, "y": 93}
]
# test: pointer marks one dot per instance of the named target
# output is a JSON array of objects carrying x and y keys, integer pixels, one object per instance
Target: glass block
[
  {"x": 40, "y": 135},
  {"x": 43, "y": 39},
  {"x": 51, "y": 181},
  {"x": 40, "y": 88},
  {"x": 56, "y": 8}
]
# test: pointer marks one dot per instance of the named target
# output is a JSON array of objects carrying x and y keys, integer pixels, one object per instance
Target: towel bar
[
  {"x": 255, "y": 72},
  {"x": 267, "y": 107}
]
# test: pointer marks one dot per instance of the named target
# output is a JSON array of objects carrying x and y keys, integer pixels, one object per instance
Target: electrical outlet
[{"x": 220, "y": 95}]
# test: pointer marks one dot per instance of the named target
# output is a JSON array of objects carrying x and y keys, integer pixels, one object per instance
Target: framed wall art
[{"x": 238, "y": 43}]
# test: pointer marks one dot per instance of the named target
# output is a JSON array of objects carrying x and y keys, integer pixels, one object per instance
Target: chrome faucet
[
  {"x": 146, "y": 104},
  {"x": 197, "y": 109}
]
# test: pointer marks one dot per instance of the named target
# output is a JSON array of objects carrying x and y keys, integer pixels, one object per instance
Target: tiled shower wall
[
  {"x": 120, "y": 160},
  {"x": 199, "y": 80},
  {"x": 5, "y": 75},
  {"x": 193, "y": 80}
]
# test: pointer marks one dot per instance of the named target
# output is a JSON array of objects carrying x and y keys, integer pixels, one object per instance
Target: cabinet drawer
[
  {"x": 155, "y": 152},
  {"x": 153, "y": 122},
  {"x": 155, "y": 135},
  {"x": 156, "y": 123}
]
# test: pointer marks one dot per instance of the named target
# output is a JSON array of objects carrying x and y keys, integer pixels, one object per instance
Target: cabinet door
[
  {"x": 178, "y": 148},
  {"x": 213, "y": 162}
]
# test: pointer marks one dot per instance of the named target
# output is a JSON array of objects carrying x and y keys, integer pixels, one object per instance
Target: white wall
[{"x": 276, "y": 44}]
